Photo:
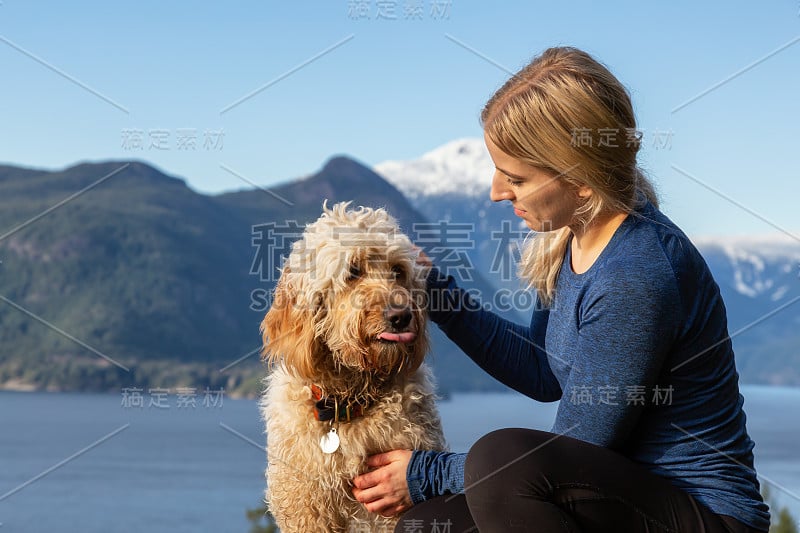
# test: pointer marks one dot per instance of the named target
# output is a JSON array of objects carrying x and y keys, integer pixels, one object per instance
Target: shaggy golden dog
[{"x": 346, "y": 336}]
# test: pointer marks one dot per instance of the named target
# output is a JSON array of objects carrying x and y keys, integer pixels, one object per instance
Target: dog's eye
[
  {"x": 398, "y": 271},
  {"x": 355, "y": 273}
]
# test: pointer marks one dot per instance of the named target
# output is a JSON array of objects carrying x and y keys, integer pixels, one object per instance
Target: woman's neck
[{"x": 589, "y": 241}]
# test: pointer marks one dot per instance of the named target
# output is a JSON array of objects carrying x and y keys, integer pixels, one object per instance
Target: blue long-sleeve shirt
[{"x": 637, "y": 350}]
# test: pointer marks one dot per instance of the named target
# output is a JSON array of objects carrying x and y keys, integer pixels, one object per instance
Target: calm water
[{"x": 188, "y": 469}]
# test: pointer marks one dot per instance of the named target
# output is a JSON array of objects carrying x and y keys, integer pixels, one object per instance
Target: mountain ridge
[
  {"x": 159, "y": 278},
  {"x": 164, "y": 278}
]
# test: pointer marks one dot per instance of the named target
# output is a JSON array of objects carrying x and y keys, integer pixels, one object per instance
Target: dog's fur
[{"x": 336, "y": 295}]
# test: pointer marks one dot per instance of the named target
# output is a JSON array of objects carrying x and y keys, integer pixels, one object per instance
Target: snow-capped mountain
[
  {"x": 759, "y": 277},
  {"x": 759, "y": 267},
  {"x": 460, "y": 167}
]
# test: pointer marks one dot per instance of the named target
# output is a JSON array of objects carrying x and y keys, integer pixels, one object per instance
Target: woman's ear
[{"x": 288, "y": 332}]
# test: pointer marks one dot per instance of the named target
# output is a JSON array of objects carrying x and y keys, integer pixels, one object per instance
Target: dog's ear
[{"x": 288, "y": 333}]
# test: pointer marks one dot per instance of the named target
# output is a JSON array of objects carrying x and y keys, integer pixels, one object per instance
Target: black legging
[{"x": 528, "y": 480}]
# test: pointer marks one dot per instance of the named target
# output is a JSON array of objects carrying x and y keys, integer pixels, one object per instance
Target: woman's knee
[{"x": 498, "y": 454}]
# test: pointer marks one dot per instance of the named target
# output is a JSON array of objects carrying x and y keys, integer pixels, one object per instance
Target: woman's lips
[{"x": 519, "y": 212}]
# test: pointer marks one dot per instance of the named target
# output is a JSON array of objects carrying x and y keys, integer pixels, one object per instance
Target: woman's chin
[
  {"x": 534, "y": 225},
  {"x": 539, "y": 227}
]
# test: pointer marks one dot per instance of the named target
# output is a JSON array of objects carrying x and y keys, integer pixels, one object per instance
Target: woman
[{"x": 630, "y": 333}]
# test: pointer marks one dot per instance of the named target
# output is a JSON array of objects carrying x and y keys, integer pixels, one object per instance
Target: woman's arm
[
  {"x": 511, "y": 353},
  {"x": 433, "y": 473}
]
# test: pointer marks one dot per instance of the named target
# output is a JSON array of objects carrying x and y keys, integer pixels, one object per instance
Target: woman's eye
[{"x": 513, "y": 182}]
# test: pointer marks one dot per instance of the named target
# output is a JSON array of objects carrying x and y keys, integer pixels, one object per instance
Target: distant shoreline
[
  {"x": 14, "y": 385},
  {"x": 20, "y": 386}
]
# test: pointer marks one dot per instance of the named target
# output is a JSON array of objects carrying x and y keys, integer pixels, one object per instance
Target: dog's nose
[{"x": 398, "y": 318}]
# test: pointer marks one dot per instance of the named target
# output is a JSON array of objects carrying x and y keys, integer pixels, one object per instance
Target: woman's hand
[
  {"x": 422, "y": 258},
  {"x": 384, "y": 489}
]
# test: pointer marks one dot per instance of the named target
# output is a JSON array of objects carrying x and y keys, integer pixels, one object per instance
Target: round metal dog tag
[{"x": 329, "y": 442}]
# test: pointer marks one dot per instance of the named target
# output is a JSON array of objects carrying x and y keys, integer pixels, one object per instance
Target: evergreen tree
[
  {"x": 261, "y": 520},
  {"x": 782, "y": 520}
]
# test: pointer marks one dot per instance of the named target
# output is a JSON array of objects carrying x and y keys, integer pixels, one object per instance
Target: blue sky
[{"x": 83, "y": 80}]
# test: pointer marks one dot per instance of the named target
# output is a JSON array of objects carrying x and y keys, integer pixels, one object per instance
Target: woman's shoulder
[
  {"x": 652, "y": 263},
  {"x": 653, "y": 239}
]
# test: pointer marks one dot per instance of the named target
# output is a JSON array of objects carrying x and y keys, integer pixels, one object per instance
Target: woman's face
[{"x": 540, "y": 197}]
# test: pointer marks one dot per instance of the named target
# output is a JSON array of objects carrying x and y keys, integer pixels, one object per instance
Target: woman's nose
[{"x": 500, "y": 189}]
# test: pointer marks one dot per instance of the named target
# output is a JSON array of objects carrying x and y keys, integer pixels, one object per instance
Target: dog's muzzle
[{"x": 398, "y": 320}]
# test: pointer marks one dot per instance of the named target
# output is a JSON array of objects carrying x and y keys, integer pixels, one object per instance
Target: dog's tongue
[{"x": 406, "y": 337}]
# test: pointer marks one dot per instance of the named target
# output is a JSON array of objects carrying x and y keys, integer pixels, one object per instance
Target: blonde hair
[{"x": 558, "y": 113}]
